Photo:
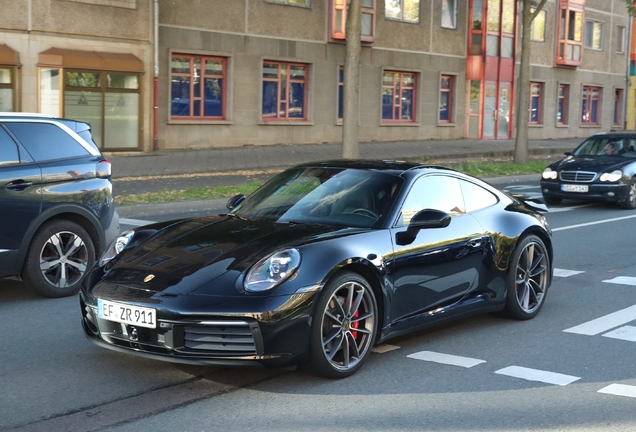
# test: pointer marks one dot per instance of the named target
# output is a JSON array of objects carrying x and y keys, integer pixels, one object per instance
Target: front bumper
[
  {"x": 611, "y": 192},
  {"x": 270, "y": 338}
]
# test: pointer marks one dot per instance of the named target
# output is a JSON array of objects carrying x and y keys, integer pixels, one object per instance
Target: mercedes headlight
[
  {"x": 611, "y": 177},
  {"x": 116, "y": 247},
  {"x": 548, "y": 174},
  {"x": 272, "y": 270}
]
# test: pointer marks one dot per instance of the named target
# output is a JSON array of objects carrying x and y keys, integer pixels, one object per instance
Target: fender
[{"x": 49, "y": 214}]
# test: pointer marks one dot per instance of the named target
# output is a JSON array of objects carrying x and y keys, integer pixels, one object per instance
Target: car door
[
  {"x": 20, "y": 199},
  {"x": 441, "y": 265}
]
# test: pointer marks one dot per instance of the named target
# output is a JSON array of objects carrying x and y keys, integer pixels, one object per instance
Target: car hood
[
  {"x": 187, "y": 255},
  {"x": 597, "y": 164}
]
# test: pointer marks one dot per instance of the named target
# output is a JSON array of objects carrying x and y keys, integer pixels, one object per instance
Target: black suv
[{"x": 56, "y": 202}]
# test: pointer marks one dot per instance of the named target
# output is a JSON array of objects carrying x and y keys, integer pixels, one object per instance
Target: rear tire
[
  {"x": 59, "y": 257},
  {"x": 630, "y": 197},
  {"x": 344, "y": 326},
  {"x": 528, "y": 279}
]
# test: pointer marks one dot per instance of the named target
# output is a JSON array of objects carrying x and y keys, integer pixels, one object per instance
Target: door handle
[
  {"x": 18, "y": 185},
  {"x": 476, "y": 242}
]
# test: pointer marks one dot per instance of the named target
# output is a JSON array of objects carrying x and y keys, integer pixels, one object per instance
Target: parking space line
[
  {"x": 134, "y": 222},
  {"x": 537, "y": 375},
  {"x": 619, "y": 390},
  {"x": 566, "y": 273},
  {"x": 627, "y": 333},
  {"x": 605, "y": 323},
  {"x": 447, "y": 359},
  {"x": 593, "y": 223},
  {"x": 622, "y": 280}
]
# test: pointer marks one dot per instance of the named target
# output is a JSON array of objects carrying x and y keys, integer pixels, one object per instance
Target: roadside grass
[{"x": 477, "y": 169}]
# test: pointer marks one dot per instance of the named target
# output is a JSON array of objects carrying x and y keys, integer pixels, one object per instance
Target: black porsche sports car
[
  {"x": 319, "y": 264},
  {"x": 602, "y": 168}
]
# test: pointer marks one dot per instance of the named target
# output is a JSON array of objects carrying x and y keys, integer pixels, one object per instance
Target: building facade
[{"x": 261, "y": 72}]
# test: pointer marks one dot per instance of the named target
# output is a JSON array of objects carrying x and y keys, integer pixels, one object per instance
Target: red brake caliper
[{"x": 355, "y": 324}]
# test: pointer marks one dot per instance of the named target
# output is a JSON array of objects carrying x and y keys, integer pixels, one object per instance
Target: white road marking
[
  {"x": 593, "y": 223},
  {"x": 605, "y": 323},
  {"x": 627, "y": 333},
  {"x": 619, "y": 390},
  {"x": 448, "y": 359},
  {"x": 566, "y": 273},
  {"x": 381, "y": 349},
  {"x": 564, "y": 209},
  {"x": 622, "y": 280},
  {"x": 521, "y": 187},
  {"x": 134, "y": 222},
  {"x": 537, "y": 375}
]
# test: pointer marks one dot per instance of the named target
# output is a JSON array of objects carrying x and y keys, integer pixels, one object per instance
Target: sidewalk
[{"x": 235, "y": 160}]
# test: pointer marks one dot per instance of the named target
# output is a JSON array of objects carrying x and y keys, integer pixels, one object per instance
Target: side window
[
  {"x": 476, "y": 197},
  {"x": 8, "y": 150},
  {"x": 432, "y": 192},
  {"x": 45, "y": 141}
]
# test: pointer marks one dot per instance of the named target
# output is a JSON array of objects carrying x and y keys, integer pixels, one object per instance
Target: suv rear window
[{"x": 46, "y": 141}]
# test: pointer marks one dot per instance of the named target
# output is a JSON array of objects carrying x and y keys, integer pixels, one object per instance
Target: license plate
[
  {"x": 127, "y": 314},
  {"x": 574, "y": 188}
]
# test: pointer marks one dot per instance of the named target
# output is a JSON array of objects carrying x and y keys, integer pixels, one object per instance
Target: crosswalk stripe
[
  {"x": 605, "y": 323},
  {"x": 566, "y": 273},
  {"x": 627, "y": 333},
  {"x": 619, "y": 390},
  {"x": 537, "y": 375},
  {"x": 448, "y": 359},
  {"x": 622, "y": 280}
]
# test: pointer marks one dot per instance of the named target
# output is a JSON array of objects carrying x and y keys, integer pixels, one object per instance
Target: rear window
[
  {"x": 46, "y": 141},
  {"x": 8, "y": 150}
]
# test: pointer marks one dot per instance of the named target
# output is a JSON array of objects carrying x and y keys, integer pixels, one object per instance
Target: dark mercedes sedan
[
  {"x": 602, "y": 168},
  {"x": 318, "y": 265}
]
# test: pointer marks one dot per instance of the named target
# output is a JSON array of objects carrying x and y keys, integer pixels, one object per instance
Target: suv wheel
[{"x": 59, "y": 257}]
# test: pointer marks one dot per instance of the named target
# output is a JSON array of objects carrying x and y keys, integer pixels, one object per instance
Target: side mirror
[
  {"x": 424, "y": 219},
  {"x": 233, "y": 202},
  {"x": 567, "y": 154}
]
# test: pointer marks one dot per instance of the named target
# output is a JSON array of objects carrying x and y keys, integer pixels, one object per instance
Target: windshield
[
  {"x": 338, "y": 196},
  {"x": 607, "y": 146}
]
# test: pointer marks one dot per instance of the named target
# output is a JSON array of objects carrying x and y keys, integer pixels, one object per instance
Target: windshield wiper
[{"x": 234, "y": 216}]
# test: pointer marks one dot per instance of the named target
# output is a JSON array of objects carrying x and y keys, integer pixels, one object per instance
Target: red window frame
[
  {"x": 564, "y": 43},
  {"x": 203, "y": 75},
  {"x": 338, "y": 20},
  {"x": 618, "y": 107},
  {"x": 539, "y": 97},
  {"x": 449, "y": 91},
  {"x": 284, "y": 104},
  {"x": 565, "y": 96},
  {"x": 588, "y": 96},
  {"x": 396, "y": 88}
]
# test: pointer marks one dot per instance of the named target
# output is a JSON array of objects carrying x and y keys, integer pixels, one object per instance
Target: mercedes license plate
[
  {"x": 574, "y": 188},
  {"x": 127, "y": 314}
]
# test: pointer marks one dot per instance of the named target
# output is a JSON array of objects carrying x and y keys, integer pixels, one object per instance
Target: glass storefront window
[{"x": 50, "y": 91}]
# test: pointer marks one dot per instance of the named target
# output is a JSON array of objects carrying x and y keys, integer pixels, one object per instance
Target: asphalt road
[{"x": 570, "y": 369}]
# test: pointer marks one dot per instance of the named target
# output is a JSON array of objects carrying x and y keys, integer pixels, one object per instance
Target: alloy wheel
[
  {"x": 63, "y": 259},
  {"x": 531, "y": 277}
]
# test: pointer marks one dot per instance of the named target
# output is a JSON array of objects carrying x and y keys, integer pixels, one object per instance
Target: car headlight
[
  {"x": 548, "y": 174},
  {"x": 272, "y": 270},
  {"x": 611, "y": 177},
  {"x": 116, "y": 247}
]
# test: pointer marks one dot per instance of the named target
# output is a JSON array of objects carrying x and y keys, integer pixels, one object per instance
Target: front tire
[
  {"x": 59, "y": 257},
  {"x": 528, "y": 279},
  {"x": 344, "y": 326},
  {"x": 630, "y": 198}
]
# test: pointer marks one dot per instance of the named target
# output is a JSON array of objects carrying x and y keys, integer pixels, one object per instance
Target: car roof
[
  {"x": 614, "y": 135},
  {"x": 387, "y": 166}
]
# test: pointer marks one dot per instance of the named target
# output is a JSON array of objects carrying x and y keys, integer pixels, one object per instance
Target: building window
[
  {"x": 304, "y": 3},
  {"x": 338, "y": 20},
  {"x": 594, "y": 35},
  {"x": 340, "y": 92},
  {"x": 535, "y": 116},
  {"x": 398, "y": 96},
  {"x": 537, "y": 29},
  {"x": 620, "y": 39},
  {"x": 562, "y": 105},
  {"x": 591, "y": 106},
  {"x": 6, "y": 89},
  {"x": 570, "y": 32},
  {"x": 402, "y": 10},
  {"x": 197, "y": 87},
  {"x": 446, "y": 99},
  {"x": 449, "y": 14},
  {"x": 285, "y": 91},
  {"x": 618, "y": 107}
]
